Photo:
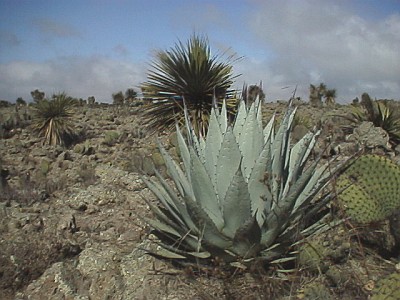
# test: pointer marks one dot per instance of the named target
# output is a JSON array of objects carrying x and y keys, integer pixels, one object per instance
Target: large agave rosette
[{"x": 241, "y": 193}]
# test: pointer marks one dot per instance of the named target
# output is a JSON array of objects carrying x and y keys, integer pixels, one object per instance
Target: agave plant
[
  {"x": 51, "y": 119},
  {"x": 187, "y": 72},
  {"x": 243, "y": 193}
]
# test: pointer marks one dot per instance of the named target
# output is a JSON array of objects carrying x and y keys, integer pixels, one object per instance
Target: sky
[{"x": 99, "y": 47}]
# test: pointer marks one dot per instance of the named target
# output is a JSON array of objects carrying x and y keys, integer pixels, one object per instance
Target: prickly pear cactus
[
  {"x": 312, "y": 256},
  {"x": 315, "y": 290},
  {"x": 387, "y": 288},
  {"x": 369, "y": 190}
]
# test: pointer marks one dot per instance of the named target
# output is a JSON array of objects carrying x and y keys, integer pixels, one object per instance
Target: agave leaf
[
  {"x": 240, "y": 120},
  {"x": 184, "y": 151},
  {"x": 213, "y": 144},
  {"x": 280, "y": 151},
  {"x": 180, "y": 206},
  {"x": 238, "y": 265},
  {"x": 281, "y": 213},
  {"x": 297, "y": 189},
  {"x": 223, "y": 117},
  {"x": 236, "y": 205},
  {"x": 259, "y": 110},
  {"x": 250, "y": 141},
  {"x": 323, "y": 225},
  {"x": 164, "y": 219},
  {"x": 204, "y": 191},
  {"x": 274, "y": 251},
  {"x": 202, "y": 255},
  {"x": 317, "y": 180},
  {"x": 160, "y": 192},
  {"x": 192, "y": 137},
  {"x": 268, "y": 131},
  {"x": 175, "y": 208},
  {"x": 283, "y": 260},
  {"x": 202, "y": 149},
  {"x": 179, "y": 247},
  {"x": 320, "y": 178},
  {"x": 162, "y": 253},
  {"x": 298, "y": 157},
  {"x": 229, "y": 159},
  {"x": 210, "y": 233},
  {"x": 160, "y": 226},
  {"x": 177, "y": 175},
  {"x": 185, "y": 155},
  {"x": 260, "y": 195},
  {"x": 246, "y": 242}
]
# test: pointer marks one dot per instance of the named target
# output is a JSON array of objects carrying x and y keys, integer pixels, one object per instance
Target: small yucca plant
[
  {"x": 243, "y": 193},
  {"x": 52, "y": 119}
]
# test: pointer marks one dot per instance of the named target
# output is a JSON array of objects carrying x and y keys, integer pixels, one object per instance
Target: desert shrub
[
  {"x": 111, "y": 138},
  {"x": 27, "y": 254},
  {"x": 87, "y": 174}
]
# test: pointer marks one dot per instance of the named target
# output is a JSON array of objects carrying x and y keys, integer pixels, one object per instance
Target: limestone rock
[{"x": 370, "y": 136}]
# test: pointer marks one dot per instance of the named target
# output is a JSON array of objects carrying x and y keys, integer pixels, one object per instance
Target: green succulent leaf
[
  {"x": 260, "y": 194},
  {"x": 250, "y": 140},
  {"x": 209, "y": 233},
  {"x": 181, "y": 181},
  {"x": 236, "y": 205},
  {"x": 204, "y": 191},
  {"x": 213, "y": 144},
  {"x": 246, "y": 242},
  {"x": 240, "y": 120},
  {"x": 179, "y": 204},
  {"x": 229, "y": 159}
]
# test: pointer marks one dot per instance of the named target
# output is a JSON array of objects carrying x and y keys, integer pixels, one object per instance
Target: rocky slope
[{"x": 70, "y": 224}]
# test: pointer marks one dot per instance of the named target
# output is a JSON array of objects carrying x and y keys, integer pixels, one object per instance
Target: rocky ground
[{"x": 70, "y": 224}]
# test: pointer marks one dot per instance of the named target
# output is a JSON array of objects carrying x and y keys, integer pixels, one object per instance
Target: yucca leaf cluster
[
  {"x": 52, "y": 119},
  {"x": 242, "y": 192},
  {"x": 187, "y": 72}
]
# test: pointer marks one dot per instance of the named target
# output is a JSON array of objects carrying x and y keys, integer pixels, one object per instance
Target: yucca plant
[
  {"x": 51, "y": 119},
  {"x": 330, "y": 96},
  {"x": 241, "y": 194},
  {"x": 188, "y": 72}
]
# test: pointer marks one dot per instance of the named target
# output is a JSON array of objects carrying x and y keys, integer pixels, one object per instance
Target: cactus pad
[
  {"x": 369, "y": 190},
  {"x": 387, "y": 288}
]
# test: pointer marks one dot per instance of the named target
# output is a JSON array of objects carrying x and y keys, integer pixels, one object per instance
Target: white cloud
[
  {"x": 315, "y": 41},
  {"x": 78, "y": 76}
]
